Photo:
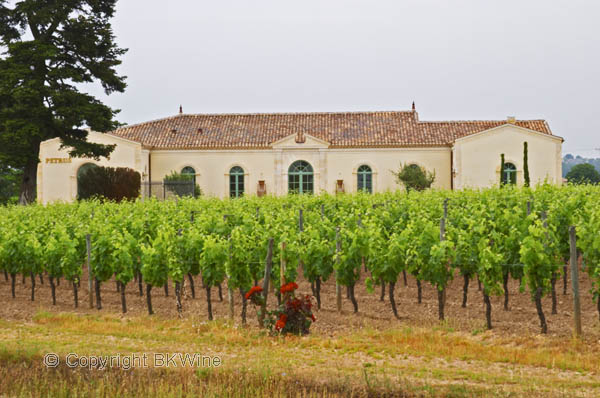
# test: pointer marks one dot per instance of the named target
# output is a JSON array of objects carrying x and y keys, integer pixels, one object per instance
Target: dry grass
[{"x": 395, "y": 362}]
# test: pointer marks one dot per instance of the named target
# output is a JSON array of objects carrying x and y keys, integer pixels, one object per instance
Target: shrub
[
  {"x": 109, "y": 183},
  {"x": 414, "y": 177},
  {"x": 180, "y": 184},
  {"x": 293, "y": 316}
]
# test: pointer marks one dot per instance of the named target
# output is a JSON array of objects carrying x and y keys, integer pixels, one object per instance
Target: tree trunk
[
  {"x": 53, "y": 289},
  {"x": 192, "y": 287},
  {"x": 167, "y": 289},
  {"x": 32, "y": 287},
  {"x": 209, "y": 303},
  {"x": 598, "y": 305},
  {"x": 178, "y": 297},
  {"x": 149, "y": 298},
  {"x": 118, "y": 286},
  {"x": 392, "y": 299},
  {"x": 13, "y": 277},
  {"x": 41, "y": 279},
  {"x": 75, "y": 299},
  {"x": 554, "y": 301},
  {"x": 244, "y": 305},
  {"x": 123, "y": 302},
  {"x": 278, "y": 295},
  {"x": 538, "y": 307},
  {"x": 441, "y": 303},
  {"x": 5, "y": 276},
  {"x": 465, "y": 290},
  {"x": 318, "y": 289},
  {"x": 139, "y": 281},
  {"x": 488, "y": 310},
  {"x": 419, "y": 292},
  {"x": 404, "y": 276},
  {"x": 220, "y": 293},
  {"x": 58, "y": 281},
  {"x": 478, "y": 284},
  {"x": 565, "y": 279},
  {"x": 98, "y": 297},
  {"x": 312, "y": 288},
  {"x": 29, "y": 181},
  {"x": 352, "y": 298},
  {"x": 382, "y": 297},
  {"x": 348, "y": 292},
  {"x": 506, "y": 293},
  {"x": 23, "y": 278}
]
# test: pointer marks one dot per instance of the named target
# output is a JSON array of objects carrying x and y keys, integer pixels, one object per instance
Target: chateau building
[{"x": 248, "y": 154}]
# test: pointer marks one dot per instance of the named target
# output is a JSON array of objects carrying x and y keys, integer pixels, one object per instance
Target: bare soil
[{"x": 520, "y": 320}]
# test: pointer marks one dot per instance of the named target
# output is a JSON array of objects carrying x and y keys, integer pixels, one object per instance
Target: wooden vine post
[
  {"x": 575, "y": 282},
  {"x": 282, "y": 266},
  {"x": 442, "y": 293},
  {"x": 269, "y": 266},
  {"x": 229, "y": 289},
  {"x": 88, "y": 245},
  {"x": 338, "y": 287},
  {"x": 301, "y": 229}
]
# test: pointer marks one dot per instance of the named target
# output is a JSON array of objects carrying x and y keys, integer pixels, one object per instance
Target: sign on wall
[{"x": 58, "y": 160}]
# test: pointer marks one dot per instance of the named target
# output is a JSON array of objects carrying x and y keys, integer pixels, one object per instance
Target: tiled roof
[{"x": 341, "y": 130}]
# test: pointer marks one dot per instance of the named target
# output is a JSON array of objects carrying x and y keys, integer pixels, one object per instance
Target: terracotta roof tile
[{"x": 341, "y": 130}]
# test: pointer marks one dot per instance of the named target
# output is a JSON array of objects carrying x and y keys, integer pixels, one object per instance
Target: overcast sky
[{"x": 457, "y": 59}]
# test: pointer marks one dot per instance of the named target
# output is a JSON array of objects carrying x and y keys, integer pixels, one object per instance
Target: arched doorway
[{"x": 300, "y": 177}]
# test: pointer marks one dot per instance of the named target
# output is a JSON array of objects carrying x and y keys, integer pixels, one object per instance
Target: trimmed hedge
[{"x": 109, "y": 183}]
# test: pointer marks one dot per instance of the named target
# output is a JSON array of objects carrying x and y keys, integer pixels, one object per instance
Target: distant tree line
[
  {"x": 569, "y": 161},
  {"x": 577, "y": 169}
]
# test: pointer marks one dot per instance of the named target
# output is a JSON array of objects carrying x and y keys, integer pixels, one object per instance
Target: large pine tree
[{"x": 47, "y": 48}]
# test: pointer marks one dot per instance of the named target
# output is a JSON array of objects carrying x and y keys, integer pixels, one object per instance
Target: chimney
[
  {"x": 180, "y": 109},
  {"x": 414, "y": 108},
  {"x": 511, "y": 120}
]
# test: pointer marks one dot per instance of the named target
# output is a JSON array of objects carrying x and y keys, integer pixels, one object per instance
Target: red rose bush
[{"x": 293, "y": 316}]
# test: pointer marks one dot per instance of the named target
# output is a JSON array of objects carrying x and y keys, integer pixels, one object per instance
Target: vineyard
[{"x": 497, "y": 241}]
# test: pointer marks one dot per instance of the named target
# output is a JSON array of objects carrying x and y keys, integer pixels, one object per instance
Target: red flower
[
  {"x": 280, "y": 324},
  {"x": 313, "y": 317},
  {"x": 255, "y": 289},
  {"x": 288, "y": 287}
]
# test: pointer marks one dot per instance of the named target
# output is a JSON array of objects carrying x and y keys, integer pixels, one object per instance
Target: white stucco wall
[
  {"x": 475, "y": 160},
  {"x": 271, "y": 165},
  {"x": 58, "y": 181},
  {"x": 477, "y": 157}
]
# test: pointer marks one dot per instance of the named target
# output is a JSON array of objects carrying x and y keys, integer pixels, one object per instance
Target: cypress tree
[
  {"x": 525, "y": 164},
  {"x": 501, "y": 169}
]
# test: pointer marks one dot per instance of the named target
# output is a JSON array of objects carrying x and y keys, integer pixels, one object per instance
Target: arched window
[
  {"x": 300, "y": 177},
  {"x": 365, "y": 179},
  {"x": 82, "y": 170},
  {"x": 189, "y": 171},
  {"x": 236, "y": 182},
  {"x": 509, "y": 174}
]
